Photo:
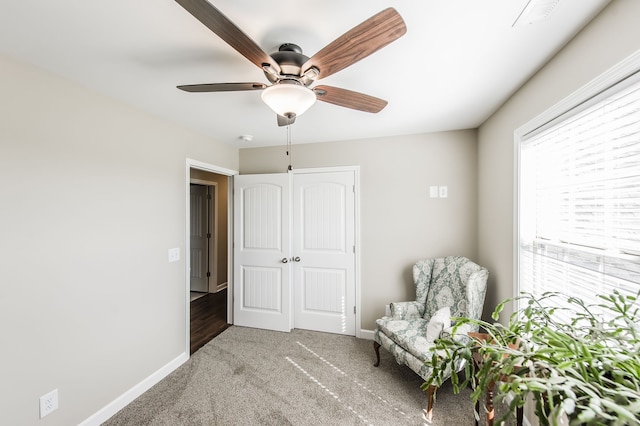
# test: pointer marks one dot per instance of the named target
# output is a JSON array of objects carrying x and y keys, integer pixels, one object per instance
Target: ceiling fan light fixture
[{"x": 288, "y": 98}]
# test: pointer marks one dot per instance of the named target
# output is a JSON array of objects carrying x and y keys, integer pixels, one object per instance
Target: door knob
[
  {"x": 296, "y": 259},
  {"x": 284, "y": 260}
]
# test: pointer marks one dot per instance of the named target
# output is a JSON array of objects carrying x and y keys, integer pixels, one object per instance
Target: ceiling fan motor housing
[{"x": 290, "y": 58}]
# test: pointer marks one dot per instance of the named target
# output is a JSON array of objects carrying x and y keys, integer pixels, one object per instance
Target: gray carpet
[{"x": 255, "y": 377}]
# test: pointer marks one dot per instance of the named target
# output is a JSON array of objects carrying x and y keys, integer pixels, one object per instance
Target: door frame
[
  {"x": 195, "y": 164},
  {"x": 357, "y": 238},
  {"x": 356, "y": 214}
]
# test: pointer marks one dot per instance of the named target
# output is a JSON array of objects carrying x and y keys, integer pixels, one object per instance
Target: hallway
[{"x": 208, "y": 318}]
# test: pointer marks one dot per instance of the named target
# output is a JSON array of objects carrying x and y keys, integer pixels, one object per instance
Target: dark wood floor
[{"x": 208, "y": 318}]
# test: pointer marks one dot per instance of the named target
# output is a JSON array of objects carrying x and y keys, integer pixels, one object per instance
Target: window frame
[{"x": 626, "y": 71}]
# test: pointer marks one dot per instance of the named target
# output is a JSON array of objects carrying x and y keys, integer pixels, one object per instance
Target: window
[{"x": 579, "y": 195}]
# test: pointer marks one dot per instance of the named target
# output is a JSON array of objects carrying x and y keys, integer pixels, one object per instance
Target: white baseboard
[
  {"x": 126, "y": 398},
  {"x": 366, "y": 334}
]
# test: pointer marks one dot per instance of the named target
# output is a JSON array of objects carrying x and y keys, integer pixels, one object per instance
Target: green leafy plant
[{"x": 558, "y": 351}]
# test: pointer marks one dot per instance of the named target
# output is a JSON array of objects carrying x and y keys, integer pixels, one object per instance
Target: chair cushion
[
  {"x": 408, "y": 334},
  {"x": 403, "y": 357}
]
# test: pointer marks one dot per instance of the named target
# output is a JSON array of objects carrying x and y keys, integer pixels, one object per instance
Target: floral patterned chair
[{"x": 446, "y": 287}]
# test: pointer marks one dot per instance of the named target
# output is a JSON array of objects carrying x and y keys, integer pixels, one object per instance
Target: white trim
[
  {"x": 289, "y": 225},
  {"x": 130, "y": 395},
  {"x": 212, "y": 219},
  {"x": 195, "y": 164},
  {"x": 204, "y": 182},
  {"x": 366, "y": 334},
  {"x": 230, "y": 239},
  {"x": 358, "y": 244},
  {"x": 126, "y": 398},
  {"x": 355, "y": 169},
  {"x": 516, "y": 215},
  {"x": 612, "y": 76}
]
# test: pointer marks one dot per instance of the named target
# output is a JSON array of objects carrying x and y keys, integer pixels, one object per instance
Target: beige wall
[
  {"x": 93, "y": 195},
  {"x": 608, "y": 39},
  {"x": 399, "y": 222},
  {"x": 611, "y": 37}
]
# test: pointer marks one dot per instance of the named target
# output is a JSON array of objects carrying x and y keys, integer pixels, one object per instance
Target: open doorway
[
  {"x": 203, "y": 238},
  {"x": 208, "y": 255}
]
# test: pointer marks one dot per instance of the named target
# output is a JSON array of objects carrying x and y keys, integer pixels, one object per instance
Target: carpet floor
[{"x": 248, "y": 376}]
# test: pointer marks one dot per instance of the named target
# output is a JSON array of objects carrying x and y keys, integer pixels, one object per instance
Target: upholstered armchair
[{"x": 446, "y": 287}]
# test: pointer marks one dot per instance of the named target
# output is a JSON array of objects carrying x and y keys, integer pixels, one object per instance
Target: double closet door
[{"x": 294, "y": 251}]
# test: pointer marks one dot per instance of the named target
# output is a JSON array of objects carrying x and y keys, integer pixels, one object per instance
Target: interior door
[
  {"x": 262, "y": 291},
  {"x": 323, "y": 251},
  {"x": 199, "y": 243}
]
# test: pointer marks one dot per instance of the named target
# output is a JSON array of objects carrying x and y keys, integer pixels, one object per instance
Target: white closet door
[
  {"x": 324, "y": 251},
  {"x": 262, "y": 286}
]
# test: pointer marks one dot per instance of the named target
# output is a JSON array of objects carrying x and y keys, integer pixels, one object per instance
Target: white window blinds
[{"x": 580, "y": 200}]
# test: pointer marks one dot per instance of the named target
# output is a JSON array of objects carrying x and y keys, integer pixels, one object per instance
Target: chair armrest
[{"x": 406, "y": 310}]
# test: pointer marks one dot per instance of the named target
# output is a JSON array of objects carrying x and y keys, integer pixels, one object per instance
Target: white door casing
[
  {"x": 301, "y": 272},
  {"x": 192, "y": 164},
  {"x": 262, "y": 285},
  {"x": 323, "y": 251}
]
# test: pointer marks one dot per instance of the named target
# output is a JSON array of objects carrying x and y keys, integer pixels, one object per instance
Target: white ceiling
[{"x": 459, "y": 61}]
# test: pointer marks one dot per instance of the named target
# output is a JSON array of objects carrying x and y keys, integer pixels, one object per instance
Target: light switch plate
[
  {"x": 174, "y": 254},
  {"x": 433, "y": 192}
]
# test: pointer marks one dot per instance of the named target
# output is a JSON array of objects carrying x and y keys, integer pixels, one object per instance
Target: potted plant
[{"x": 558, "y": 351}]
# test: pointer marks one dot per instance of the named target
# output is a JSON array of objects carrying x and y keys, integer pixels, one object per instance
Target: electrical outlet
[
  {"x": 48, "y": 403},
  {"x": 444, "y": 192},
  {"x": 174, "y": 254},
  {"x": 387, "y": 310}
]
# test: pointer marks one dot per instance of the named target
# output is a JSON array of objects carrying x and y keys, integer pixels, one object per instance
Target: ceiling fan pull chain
[
  {"x": 288, "y": 139},
  {"x": 289, "y": 153}
]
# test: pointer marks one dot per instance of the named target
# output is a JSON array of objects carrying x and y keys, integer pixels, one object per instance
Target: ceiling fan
[{"x": 291, "y": 73}]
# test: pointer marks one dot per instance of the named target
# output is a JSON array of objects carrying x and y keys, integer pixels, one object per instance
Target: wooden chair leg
[
  {"x": 428, "y": 414},
  {"x": 489, "y": 405},
  {"x": 519, "y": 416},
  {"x": 376, "y": 347}
]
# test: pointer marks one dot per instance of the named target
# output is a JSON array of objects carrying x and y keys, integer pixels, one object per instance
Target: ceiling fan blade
[
  {"x": 358, "y": 43},
  {"x": 221, "y": 87},
  {"x": 285, "y": 121},
  {"x": 213, "y": 19},
  {"x": 349, "y": 99}
]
